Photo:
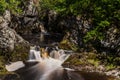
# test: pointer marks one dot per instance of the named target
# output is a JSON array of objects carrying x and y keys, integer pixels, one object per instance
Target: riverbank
[
  {"x": 85, "y": 64},
  {"x": 88, "y": 62}
]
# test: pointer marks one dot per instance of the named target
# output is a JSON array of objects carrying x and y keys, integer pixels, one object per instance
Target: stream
[{"x": 48, "y": 66}]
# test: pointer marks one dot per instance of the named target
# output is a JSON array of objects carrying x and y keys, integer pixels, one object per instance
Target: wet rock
[
  {"x": 11, "y": 77},
  {"x": 84, "y": 65}
]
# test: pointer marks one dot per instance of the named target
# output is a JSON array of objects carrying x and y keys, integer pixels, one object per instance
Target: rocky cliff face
[
  {"x": 74, "y": 29},
  {"x": 70, "y": 28},
  {"x": 8, "y": 37},
  {"x": 111, "y": 42}
]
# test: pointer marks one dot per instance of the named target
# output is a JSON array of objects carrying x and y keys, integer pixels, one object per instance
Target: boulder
[{"x": 8, "y": 37}]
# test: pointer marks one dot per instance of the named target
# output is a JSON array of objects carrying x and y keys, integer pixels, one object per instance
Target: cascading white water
[
  {"x": 47, "y": 68},
  {"x": 34, "y": 54}
]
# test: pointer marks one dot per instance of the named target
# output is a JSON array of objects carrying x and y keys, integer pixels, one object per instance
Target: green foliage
[
  {"x": 65, "y": 7},
  {"x": 57, "y": 5},
  {"x": 103, "y": 13},
  {"x": 110, "y": 66},
  {"x": 66, "y": 44},
  {"x": 12, "y": 5},
  {"x": 97, "y": 32},
  {"x": 20, "y": 53},
  {"x": 93, "y": 35},
  {"x": 2, "y": 65},
  {"x": 94, "y": 62},
  {"x": 3, "y": 6}
]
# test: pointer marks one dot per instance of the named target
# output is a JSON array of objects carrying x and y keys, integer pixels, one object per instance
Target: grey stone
[{"x": 8, "y": 37}]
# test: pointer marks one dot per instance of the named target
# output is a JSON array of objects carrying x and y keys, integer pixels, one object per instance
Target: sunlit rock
[{"x": 8, "y": 37}]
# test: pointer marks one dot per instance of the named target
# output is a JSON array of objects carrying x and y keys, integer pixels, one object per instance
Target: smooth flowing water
[{"x": 40, "y": 66}]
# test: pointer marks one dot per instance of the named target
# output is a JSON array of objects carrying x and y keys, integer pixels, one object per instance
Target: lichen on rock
[{"x": 8, "y": 37}]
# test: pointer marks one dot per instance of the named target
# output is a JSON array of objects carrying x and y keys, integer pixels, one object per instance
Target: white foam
[{"x": 34, "y": 55}]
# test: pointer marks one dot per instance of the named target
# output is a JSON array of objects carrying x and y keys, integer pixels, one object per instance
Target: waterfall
[
  {"x": 34, "y": 53},
  {"x": 40, "y": 67}
]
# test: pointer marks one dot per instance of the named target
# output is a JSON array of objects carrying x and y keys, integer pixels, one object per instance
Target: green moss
[
  {"x": 76, "y": 61},
  {"x": 2, "y": 66},
  {"x": 20, "y": 53},
  {"x": 94, "y": 62},
  {"x": 66, "y": 44},
  {"x": 110, "y": 66},
  {"x": 91, "y": 55}
]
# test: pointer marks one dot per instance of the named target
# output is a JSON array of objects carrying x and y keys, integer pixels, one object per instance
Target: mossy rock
[
  {"x": 20, "y": 53},
  {"x": 66, "y": 44}
]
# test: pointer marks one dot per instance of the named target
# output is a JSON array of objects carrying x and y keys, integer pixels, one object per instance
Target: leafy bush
[
  {"x": 12, "y": 5},
  {"x": 102, "y": 12},
  {"x": 3, "y": 6},
  {"x": 97, "y": 32}
]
